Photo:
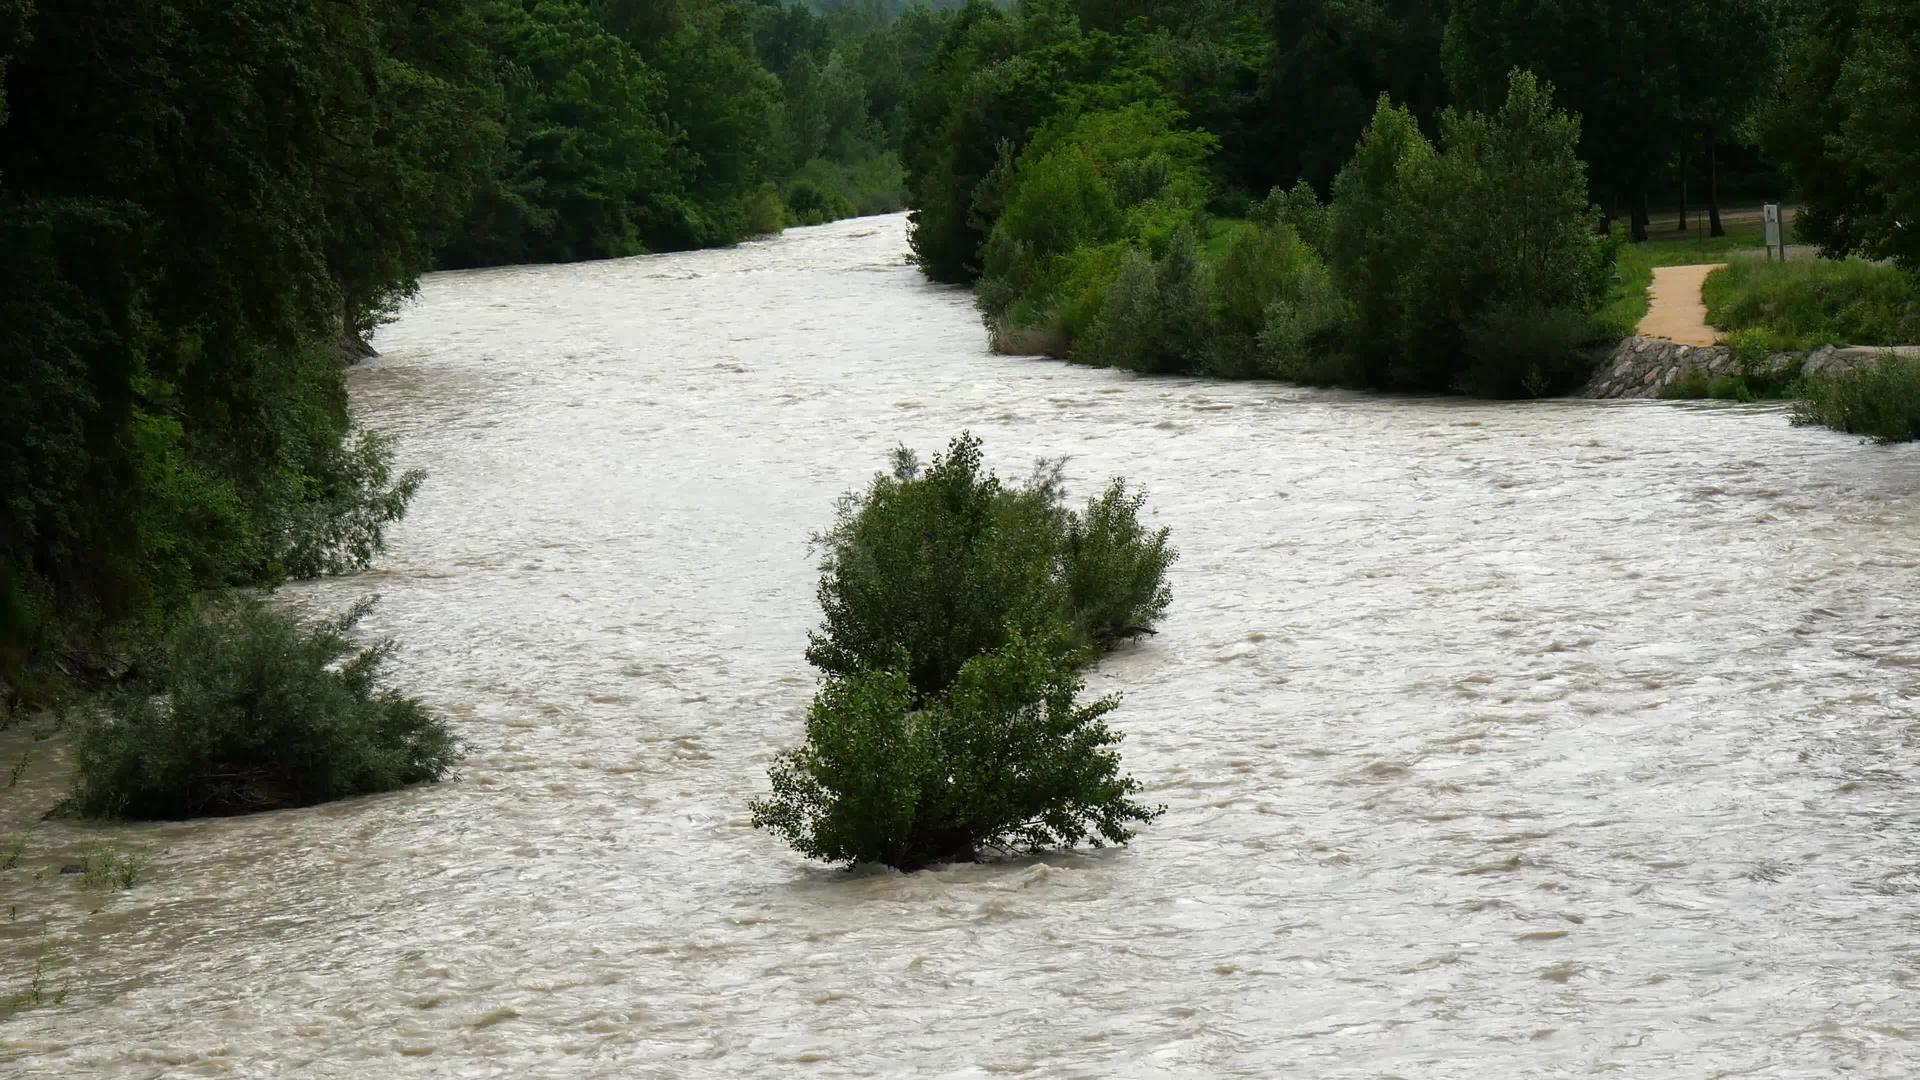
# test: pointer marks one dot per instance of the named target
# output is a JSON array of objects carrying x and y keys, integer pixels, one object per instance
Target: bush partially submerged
[
  {"x": 1004, "y": 759},
  {"x": 1116, "y": 568},
  {"x": 247, "y": 708},
  {"x": 1881, "y": 402},
  {"x": 929, "y": 568},
  {"x": 957, "y": 609}
]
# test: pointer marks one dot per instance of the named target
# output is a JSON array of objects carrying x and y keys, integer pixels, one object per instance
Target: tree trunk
[
  {"x": 349, "y": 346},
  {"x": 1640, "y": 216},
  {"x": 1713, "y": 190},
  {"x": 1682, "y": 227}
]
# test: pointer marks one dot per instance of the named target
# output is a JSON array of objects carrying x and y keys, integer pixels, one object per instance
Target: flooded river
[{"x": 1555, "y": 739}]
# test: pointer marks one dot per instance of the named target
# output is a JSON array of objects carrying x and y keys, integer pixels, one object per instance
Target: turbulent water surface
[{"x": 1497, "y": 740}]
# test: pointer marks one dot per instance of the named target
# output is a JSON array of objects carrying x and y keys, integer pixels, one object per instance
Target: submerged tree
[
  {"x": 244, "y": 707},
  {"x": 1005, "y": 760},
  {"x": 957, "y": 609}
]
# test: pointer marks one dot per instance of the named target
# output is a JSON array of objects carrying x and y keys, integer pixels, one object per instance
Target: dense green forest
[
  {"x": 1405, "y": 194},
  {"x": 207, "y": 202}
]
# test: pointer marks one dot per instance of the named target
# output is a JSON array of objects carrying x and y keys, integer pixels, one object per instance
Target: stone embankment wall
[{"x": 1640, "y": 367}]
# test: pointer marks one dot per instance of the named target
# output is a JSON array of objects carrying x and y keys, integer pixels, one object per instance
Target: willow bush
[
  {"x": 957, "y": 609},
  {"x": 1881, "y": 402},
  {"x": 930, "y": 567},
  {"x": 244, "y": 707},
  {"x": 1004, "y": 759}
]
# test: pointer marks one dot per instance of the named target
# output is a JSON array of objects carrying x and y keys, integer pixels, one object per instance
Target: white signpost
[{"x": 1772, "y": 214}]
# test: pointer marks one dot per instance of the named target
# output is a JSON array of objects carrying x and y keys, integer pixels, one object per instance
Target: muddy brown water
[{"x": 1555, "y": 739}]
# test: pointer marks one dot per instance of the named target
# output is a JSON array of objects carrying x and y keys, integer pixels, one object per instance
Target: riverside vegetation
[
  {"x": 192, "y": 256},
  {"x": 1125, "y": 185},
  {"x": 957, "y": 611},
  {"x": 1395, "y": 193}
]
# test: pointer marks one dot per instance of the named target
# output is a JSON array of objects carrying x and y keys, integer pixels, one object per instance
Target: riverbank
[{"x": 1645, "y": 367}]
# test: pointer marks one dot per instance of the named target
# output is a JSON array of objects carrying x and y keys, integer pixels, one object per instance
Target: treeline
[
  {"x": 1067, "y": 172},
  {"x": 205, "y": 202},
  {"x": 1846, "y": 125},
  {"x": 660, "y": 125},
  {"x": 1404, "y": 194}
]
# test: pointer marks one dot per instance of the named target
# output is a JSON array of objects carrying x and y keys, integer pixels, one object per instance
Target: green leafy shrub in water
[
  {"x": 928, "y": 568},
  {"x": 956, "y": 611},
  {"x": 1116, "y": 568},
  {"x": 352, "y": 497},
  {"x": 244, "y": 708},
  {"x": 1004, "y": 759},
  {"x": 1881, "y": 402}
]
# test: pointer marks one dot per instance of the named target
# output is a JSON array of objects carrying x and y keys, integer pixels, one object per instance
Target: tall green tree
[
  {"x": 585, "y": 171},
  {"x": 180, "y": 266},
  {"x": 1618, "y": 64},
  {"x": 721, "y": 106},
  {"x": 1722, "y": 87},
  {"x": 1330, "y": 61},
  {"x": 1846, "y": 129},
  {"x": 415, "y": 132}
]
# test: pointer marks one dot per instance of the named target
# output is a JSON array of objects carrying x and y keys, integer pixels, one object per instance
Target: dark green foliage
[
  {"x": 1155, "y": 318},
  {"x": 1003, "y": 759},
  {"x": 1881, "y": 402},
  {"x": 185, "y": 254},
  {"x": 1301, "y": 210},
  {"x": 808, "y": 203},
  {"x": 638, "y": 126},
  {"x": 586, "y": 170},
  {"x": 1523, "y": 351},
  {"x": 1116, "y": 568},
  {"x": 930, "y": 567},
  {"x": 995, "y": 83},
  {"x": 1330, "y": 62},
  {"x": 339, "y": 524},
  {"x": 1472, "y": 266},
  {"x": 1378, "y": 235},
  {"x": 1655, "y": 82},
  {"x": 925, "y": 570},
  {"x": 1440, "y": 252},
  {"x": 956, "y": 611},
  {"x": 1845, "y": 127},
  {"x": 206, "y": 204},
  {"x": 1807, "y": 303},
  {"x": 1275, "y": 306},
  {"x": 1131, "y": 177},
  {"x": 245, "y": 708}
]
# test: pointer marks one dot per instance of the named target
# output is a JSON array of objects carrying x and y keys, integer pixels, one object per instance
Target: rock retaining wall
[{"x": 1641, "y": 367}]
